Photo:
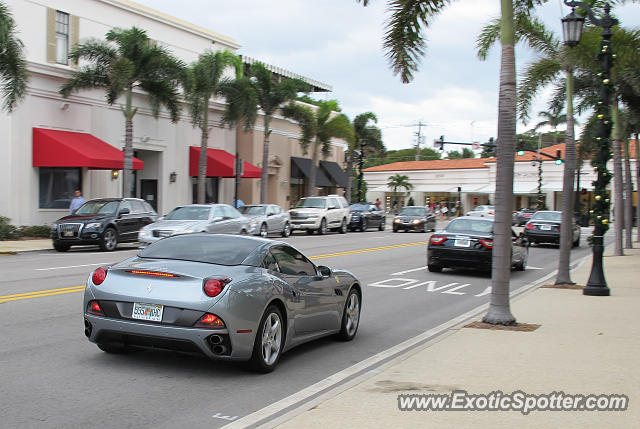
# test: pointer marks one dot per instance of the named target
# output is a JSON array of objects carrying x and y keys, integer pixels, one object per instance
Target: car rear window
[
  {"x": 212, "y": 249},
  {"x": 552, "y": 216},
  {"x": 470, "y": 225}
]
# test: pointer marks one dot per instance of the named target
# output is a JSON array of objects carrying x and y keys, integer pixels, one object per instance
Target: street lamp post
[{"x": 572, "y": 30}]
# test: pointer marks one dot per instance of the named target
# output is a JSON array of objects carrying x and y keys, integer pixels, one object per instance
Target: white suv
[{"x": 320, "y": 214}]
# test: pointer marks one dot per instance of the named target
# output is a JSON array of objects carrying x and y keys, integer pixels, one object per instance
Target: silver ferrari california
[{"x": 225, "y": 296}]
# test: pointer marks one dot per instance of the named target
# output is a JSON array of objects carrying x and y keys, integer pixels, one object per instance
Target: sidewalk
[
  {"x": 585, "y": 345},
  {"x": 17, "y": 246}
]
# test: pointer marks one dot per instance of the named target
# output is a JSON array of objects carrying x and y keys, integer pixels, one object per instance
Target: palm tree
[
  {"x": 259, "y": 90},
  {"x": 128, "y": 60},
  {"x": 399, "y": 181},
  {"x": 552, "y": 119},
  {"x": 13, "y": 66},
  {"x": 367, "y": 141},
  {"x": 553, "y": 61},
  {"x": 319, "y": 126},
  {"x": 202, "y": 82}
]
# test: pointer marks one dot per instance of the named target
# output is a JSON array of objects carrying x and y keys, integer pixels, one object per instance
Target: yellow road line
[
  {"x": 71, "y": 289},
  {"x": 41, "y": 293}
]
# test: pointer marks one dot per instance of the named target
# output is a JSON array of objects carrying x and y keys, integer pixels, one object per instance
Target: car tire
[
  {"x": 434, "y": 268},
  {"x": 577, "y": 242},
  {"x": 263, "y": 230},
  {"x": 395, "y": 229},
  {"x": 350, "y": 316},
  {"x": 286, "y": 231},
  {"x": 425, "y": 228},
  {"x": 323, "y": 227},
  {"x": 343, "y": 226},
  {"x": 261, "y": 360},
  {"x": 109, "y": 240},
  {"x": 243, "y": 232},
  {"x": 521, "y": 266},
  {"x": 363, "y": 227},
  {"x": 61, "y": 247},
  {"x": 383, "y": 223}
]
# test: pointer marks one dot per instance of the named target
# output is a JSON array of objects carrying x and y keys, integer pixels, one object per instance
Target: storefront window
[
  {"x": 57, "y": 185},
  {"x": 210, "y": 190}
]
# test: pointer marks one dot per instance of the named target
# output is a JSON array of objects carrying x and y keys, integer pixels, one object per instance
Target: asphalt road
[{"x": 52, "y": 377}]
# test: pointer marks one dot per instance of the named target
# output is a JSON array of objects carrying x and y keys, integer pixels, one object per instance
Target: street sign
[{"x": 475, "y": 145}]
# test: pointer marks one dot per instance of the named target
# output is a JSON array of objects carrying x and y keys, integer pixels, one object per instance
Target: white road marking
[
  {"x": 487, "y": 291},
  {"x": 220, "y": 416},
  {"x": 72, "y": 266},
  {"x": 399, "y": 273},
  {"x": 451, "y": 291},
  {"x": 331, "y": 383},
  {"x": 383, "y": 283},
  {"x": 529, "y": 267}
]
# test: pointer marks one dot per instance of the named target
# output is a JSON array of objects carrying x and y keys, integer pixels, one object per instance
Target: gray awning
[
  {"x": 335, "y": 172},
  {"x": 301, "y": 169}
]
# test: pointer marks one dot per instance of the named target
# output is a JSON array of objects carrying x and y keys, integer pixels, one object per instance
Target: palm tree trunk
[
  {"x": 499, "y": 311},
  {"x": 265, "y": 160},
  {"x": 349, "y": 175},
  {"x": 637, "y": 188},
  {"x": 566, "y": 235},
  {"x": 311, "y": 190},
  {"x": 618, "y": 209},
  {"x": 628, "y": 198},
  {"x": 127, "y": 170},
  {"x": 202, "y": 165}
]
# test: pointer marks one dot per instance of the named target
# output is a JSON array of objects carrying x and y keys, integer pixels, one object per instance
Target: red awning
[
  {"x": 219, "y": 164},
  {"x": 54, "y": 148}
]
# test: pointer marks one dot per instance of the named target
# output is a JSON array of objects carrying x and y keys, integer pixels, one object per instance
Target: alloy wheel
[
  {"x": 352, "y": 314},
  {"x": 271, "y": 338}
]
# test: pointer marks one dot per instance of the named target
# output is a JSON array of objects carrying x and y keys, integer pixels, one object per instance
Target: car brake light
[
  {"x": 152, "y": 273},
  {"x": 213, "y": 287},
  {"x": 437, "y": 239},
  {"x": 99, "y": 275},
  {"x": 490, "y": 212},
  {"x": 529, "y": 226},
  {"x": 209, "y": 320},
  {"x": 487, "y": 242},
  {"x": 94, "y": 308}
]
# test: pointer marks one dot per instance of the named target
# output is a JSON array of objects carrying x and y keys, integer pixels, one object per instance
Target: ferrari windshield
[
  {"x": 412, "y": 211},
  {"x": 211, "y": 249},
  {"x": 98, "y": 207},
  {"x": 252, "y": 210},
  {"x": 312, "y": 203},
  {"x": 189, "y": 213}
]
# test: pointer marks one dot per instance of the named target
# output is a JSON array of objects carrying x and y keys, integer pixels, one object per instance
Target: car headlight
[
  {"x": 54, "y": 227},
  {"x": 93, "y": 225},
  {"x": 190, "y": 230},
  {"x": 396, "y": 220},
  {"x": 417, "y": 221},
  {"x": 312, "y": 216},
  {"x": 143, "y": 233}
]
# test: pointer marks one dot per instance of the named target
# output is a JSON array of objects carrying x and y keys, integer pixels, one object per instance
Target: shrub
[
  {"x": 40, "y": 231},
  {"x": 8, "y": 231}
]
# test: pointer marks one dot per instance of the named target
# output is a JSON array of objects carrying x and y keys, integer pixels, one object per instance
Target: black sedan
[
  {"x": 467, "y": 243},
  {"x": 522, "y": 216},
  {"x": 414, "y": 218},
  {"x": 544, "y": 227},
  {"x": 366, "y": 215},
  {"x": 105, "y": 222}
]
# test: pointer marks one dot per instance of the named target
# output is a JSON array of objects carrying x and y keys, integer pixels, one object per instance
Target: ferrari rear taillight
[
  {"x": 486, "y": 242},
  {"x": 209, "y": 320},
  {"x": 437, "y": 239},
  {"x": 93, "y": 307},
  {"x": 99, "y": 275},
  {"x": 213, "y": 287},
  {"x": 529, "y": 226}
]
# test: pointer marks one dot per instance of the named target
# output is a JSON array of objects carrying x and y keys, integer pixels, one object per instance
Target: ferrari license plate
[
  {"x": 152, "y": 312},
  {"x": 545, "y": 227},
  {"x": 462, "y": 242}
]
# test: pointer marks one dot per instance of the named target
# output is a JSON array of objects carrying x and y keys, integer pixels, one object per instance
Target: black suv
[{"x": 105, "y": 222}]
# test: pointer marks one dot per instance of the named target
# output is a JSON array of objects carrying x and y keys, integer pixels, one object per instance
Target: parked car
[
  {"x": 212, "y": 218},
  {"x": 366, "y": 215},
  {"x": 320, "y": 214},
  {"x": 265, "y": 219},
  {"x": 414, "y": 218},
  {"x": 467, "y": 243},
  {"x": 105, "y": 222},
  {"x": 544, "y": 227},
  {"x": 522, "y": 216},
  {"x": 482, "y": 211},
  {"x": 227, "y": 297}
]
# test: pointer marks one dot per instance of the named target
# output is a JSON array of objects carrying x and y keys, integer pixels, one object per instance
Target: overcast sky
[{"x": 339, "y": 42}]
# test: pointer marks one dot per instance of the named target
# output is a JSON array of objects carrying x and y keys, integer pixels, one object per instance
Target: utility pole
[{"x": 418, "y": 140}]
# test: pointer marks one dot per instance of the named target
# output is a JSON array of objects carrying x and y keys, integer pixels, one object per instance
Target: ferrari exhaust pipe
[
  {"x": 87, "y": 328},
  {"x": 219, "y": 349},
  {"x": 215, "y": 339}
]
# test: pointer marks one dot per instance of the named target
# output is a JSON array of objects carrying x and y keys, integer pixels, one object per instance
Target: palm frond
[
  {"x": 13, "y": 65},
  {"x": 535, "y": 76}
]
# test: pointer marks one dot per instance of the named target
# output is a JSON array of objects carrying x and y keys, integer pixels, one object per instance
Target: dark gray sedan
[
  {"x": 224, "y": 296},
  {"x": 414, "y": 218}
]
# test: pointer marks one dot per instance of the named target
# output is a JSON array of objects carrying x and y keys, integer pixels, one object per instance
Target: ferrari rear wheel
[
  {"x": 350, "y": 317},
  {"x": 267, "y": 346}
]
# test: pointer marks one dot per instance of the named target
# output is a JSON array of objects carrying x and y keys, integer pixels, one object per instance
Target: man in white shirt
[{"x": 76, "y": 202}]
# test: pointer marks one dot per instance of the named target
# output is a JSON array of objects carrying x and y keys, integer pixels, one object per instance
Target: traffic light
[
  {"x": 439, "y": 144},
  {"x": 520, "y": 147},
  {"x": 490, "y": 146},
  {"x": 559, "y": 159}
]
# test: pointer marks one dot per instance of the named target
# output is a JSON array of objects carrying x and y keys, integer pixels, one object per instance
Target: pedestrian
[
  {"x": 378, "y": 203},
  {"x": 239, "y": 203},
  {"x": 444, "y": 210},
  {"x": 76, "y": 202},
  {"x": 394, "y": 206}
]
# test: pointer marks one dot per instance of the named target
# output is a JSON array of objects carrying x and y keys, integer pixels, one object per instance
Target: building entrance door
[{"x": 149, "y": 192}]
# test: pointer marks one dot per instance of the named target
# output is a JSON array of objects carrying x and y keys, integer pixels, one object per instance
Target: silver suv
[{"x": 320, "y": 214}]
